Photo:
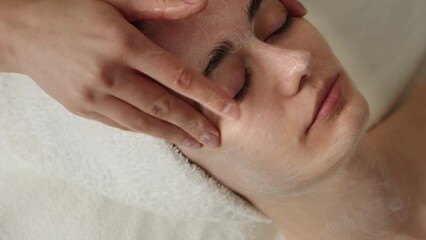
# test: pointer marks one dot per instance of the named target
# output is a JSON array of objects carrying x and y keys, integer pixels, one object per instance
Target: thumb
[{"x": 158, "y": 10}]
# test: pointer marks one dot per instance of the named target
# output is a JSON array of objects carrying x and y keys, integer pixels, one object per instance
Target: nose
[{"x": 285, "y": 67}]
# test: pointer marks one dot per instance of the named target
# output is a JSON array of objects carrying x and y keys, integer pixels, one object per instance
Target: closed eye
[
  {"x": 247, "y": 73},
  {"x": 246, "y": 86}
]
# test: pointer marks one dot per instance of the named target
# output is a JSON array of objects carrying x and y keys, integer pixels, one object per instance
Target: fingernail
[
  {"x": 191, "y": 143},
  {"x": 231, "y": 111},
  {"x": 209, "y": 140},
  {"x": 212, "y": 131},
  {"x": 302, "y": 8}
]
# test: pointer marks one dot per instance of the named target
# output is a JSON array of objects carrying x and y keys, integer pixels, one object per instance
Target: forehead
[{"x": 192, "y": 39}]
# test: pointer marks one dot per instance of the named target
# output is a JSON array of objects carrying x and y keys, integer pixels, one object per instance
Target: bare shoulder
[{"x": 405, "y": 130}]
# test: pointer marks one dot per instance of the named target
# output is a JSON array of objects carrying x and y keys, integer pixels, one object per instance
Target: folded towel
[
  {"x": 36, "y": 206},
  {"x": 135, "y": 169}
]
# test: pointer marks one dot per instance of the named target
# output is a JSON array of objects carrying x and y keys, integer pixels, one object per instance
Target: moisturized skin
[
  {"x": 329, "y": 181},
  {"x": 268, "y": 151}
]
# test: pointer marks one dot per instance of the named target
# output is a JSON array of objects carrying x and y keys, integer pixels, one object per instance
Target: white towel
[
  {"x": 131, "y": 168},
  {"x": 50, "y": 157}
]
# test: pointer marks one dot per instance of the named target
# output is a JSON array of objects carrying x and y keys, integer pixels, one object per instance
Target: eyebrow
[
  {"x": 224, "y": 49},
  {"x": 217, "y": 55}
]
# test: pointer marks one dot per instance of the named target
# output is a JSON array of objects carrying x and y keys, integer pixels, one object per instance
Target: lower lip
[{"x": 330, "y": 103}]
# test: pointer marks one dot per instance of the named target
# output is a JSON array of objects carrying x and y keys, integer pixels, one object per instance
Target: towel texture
[
  {"x": 64, "y": 177},
  {"x": 131, "y": 168},
  {"x": 35, "y": 206}
]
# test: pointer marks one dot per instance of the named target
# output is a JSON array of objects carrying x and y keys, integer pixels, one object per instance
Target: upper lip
[{"x": 321, "y": 96}]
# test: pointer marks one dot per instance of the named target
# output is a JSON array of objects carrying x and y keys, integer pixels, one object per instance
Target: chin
[
  {"x": 350, "y": 127},
  {"x": 340, "y": 138}
]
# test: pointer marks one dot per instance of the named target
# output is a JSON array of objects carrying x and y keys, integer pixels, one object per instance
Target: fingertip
[
  {"x": 231, "y": 111},
  {"x": 209, "y": 140},
  {"x": 295, "y": 7},
  {"x": 302, "y": 9},
  {"x": 191, "y": 143},
  {"x": 187, "y": 8}
]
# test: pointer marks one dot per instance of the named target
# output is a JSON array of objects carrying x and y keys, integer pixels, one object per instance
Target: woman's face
[{"x": 278, "y": 68}]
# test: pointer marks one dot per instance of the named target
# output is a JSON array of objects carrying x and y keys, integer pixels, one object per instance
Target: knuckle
[
  {"x": 101, "y": 77},
  {"x": 161, "y": 107},
  {"x": 86, "y": 95},
  {"x": 105, "y": 83},
  {"x": 183, "y": 78},
  {"x": 120, "y": 42}
]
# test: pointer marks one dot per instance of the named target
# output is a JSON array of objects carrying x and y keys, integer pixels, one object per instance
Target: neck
[{"x": 372, "y": 196}]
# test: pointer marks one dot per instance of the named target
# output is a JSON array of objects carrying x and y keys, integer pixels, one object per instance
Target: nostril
[
  {"x": 303, "y": 81},
  {"x": 301, "y": 70}
]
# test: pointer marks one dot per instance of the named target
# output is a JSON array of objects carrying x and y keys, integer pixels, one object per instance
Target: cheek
[
  {"x": 350, "y": 124},
  {"x": 346, "y": 126},
  {"x": 337, "y": 142},
  {"x": 264, "y": 153}
]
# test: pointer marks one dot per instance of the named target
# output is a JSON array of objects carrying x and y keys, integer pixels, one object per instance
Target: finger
[
  {"x": 160, "y": 65},
  {"x": 153, "y": 99},
  {"x": 105, "y": 120},
  {"x": 159, "y": 10},
  {"x": 137, "y": 121},
  {"x": 295, "y": 7}
]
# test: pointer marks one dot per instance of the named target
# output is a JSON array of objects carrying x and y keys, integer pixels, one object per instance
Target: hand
[
  {"x": 88, "y": 57},
  {"x": 295, "y": 7},
  {"x": 177, "y": 10}
]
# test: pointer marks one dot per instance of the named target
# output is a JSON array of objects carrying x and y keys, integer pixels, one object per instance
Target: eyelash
[
  {"x": 247, "y": 72},
  {"x": 287, "y": 25}
]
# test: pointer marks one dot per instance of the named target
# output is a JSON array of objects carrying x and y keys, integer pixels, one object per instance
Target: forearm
[{"x": 8, "y": 31}]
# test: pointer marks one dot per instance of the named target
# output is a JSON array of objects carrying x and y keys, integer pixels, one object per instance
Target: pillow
[{"x": 381, "y": 43}]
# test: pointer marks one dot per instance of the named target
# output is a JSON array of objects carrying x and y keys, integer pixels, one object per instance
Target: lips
[{"x": 321, "y": 96}]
